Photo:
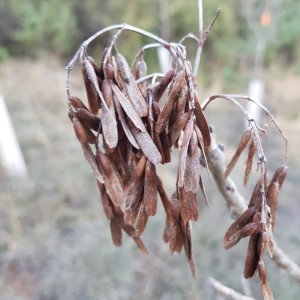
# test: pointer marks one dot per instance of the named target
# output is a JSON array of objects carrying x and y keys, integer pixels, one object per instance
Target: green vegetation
[{"x": 34, "y": 26}]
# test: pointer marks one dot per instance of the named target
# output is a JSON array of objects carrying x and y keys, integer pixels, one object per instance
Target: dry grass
[{"x": 54, "y": 239}]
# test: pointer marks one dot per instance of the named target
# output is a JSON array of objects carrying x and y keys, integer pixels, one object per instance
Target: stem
[{"x": 202, "y": 37}]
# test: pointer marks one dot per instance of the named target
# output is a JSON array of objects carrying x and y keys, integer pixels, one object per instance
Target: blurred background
[{"x": 54, "y": 238}]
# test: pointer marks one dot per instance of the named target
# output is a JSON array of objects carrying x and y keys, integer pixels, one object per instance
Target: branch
[
  {"x": 202, "y": 36},
  {"x": 226, "y": 292},
  {"x": 237, "y": 205}
]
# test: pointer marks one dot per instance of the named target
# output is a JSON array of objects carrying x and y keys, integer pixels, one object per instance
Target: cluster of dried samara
[
  {"x": 134, "y": 130},
  {"x": 258, "y": 220},
  {"x": 132, "y": 133}
]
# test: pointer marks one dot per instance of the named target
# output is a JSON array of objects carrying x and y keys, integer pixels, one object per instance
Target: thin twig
[
  {"x": 145, "y": 78},
  {"x": 202, "y": 37},
  {"x": 189, "y": 36},
  {"x": 226, "y": 292},
  {"x": 145, "y": 47}
]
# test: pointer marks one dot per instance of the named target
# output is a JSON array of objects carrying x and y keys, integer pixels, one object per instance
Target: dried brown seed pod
[
  {"x": 93, "y": 63},
  {"x": 272, "y": 199},
  {"x": 255, "y": 200},
  {"x": 252, "y": 257},
  {"x": 242, "y": 145},
  {"x": 113, "y": 182},
  {"x": 140, "y": 72},
  {"x": 124, "y": 123},
  {"x": 164, "y": 140},
  {"x": 163, "y": 196},
  {"x": 79, "y": 131},
  {"x": 163, "y": 85},
  {"x": 261, "y": 244},
  {"x": 191, "y": 257},
  {"x": 116, "y": 232},
  {"x": 136, "y": 185},
  {"x": 117, "y": 76},
  {"x": 146, "y": 144},
  {"x": 77, "y": 103},
  {"x": 183, "y": 151},
  {"x": 140, "y": 245},
  {"x": 141, "y": 221},
  {"x": 179, "y": 106},
  {"x": 192, "y": 171},
  {"x": 88, "y": 153},
  {"x": 127, "y": 107},
  {"x": 238, "y": 224},
  {"x": 201, "y": 122},
  {"x": 179, "y": 239},
  {"x": 89, "y": 135},
  {"x": 150, "y": 189},
  {"x": 166, "y": 237},
  {"x": 109, "y": 71},
  {"x": 203, "y": 191},
  {"x": 177, "y": 127},
  {"x": 109, "y": 123},
  {"x": 131, "y": 215},
  {"x": 249, "y": 162},
  {"x": 131, "y": 87},
  {"x": 273, "y": 191},
  {"x": 262, "y": 271},
  {"x": 88, "y": 119},
  {"x": 106, "y": 202},
  {"x": 91, "y": 85},
  {"x": 266, "y": 291},
  {"x": 174, "y": 222},
  {"x": 281, "y": 171},
  {"x": 164, "y": 116},
  {"x": 189, "y": 207},
  {"x": 129, "y": 229},
  {"x": 247, "y": 230}
]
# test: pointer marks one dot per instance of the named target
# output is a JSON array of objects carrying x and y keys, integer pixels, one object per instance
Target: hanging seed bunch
[
  {"x": 133, "y": 132},
  {"x": 131, "y": 123}
]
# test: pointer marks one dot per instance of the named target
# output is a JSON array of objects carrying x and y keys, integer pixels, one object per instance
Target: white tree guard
[{"x": 11, "y": 156}]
